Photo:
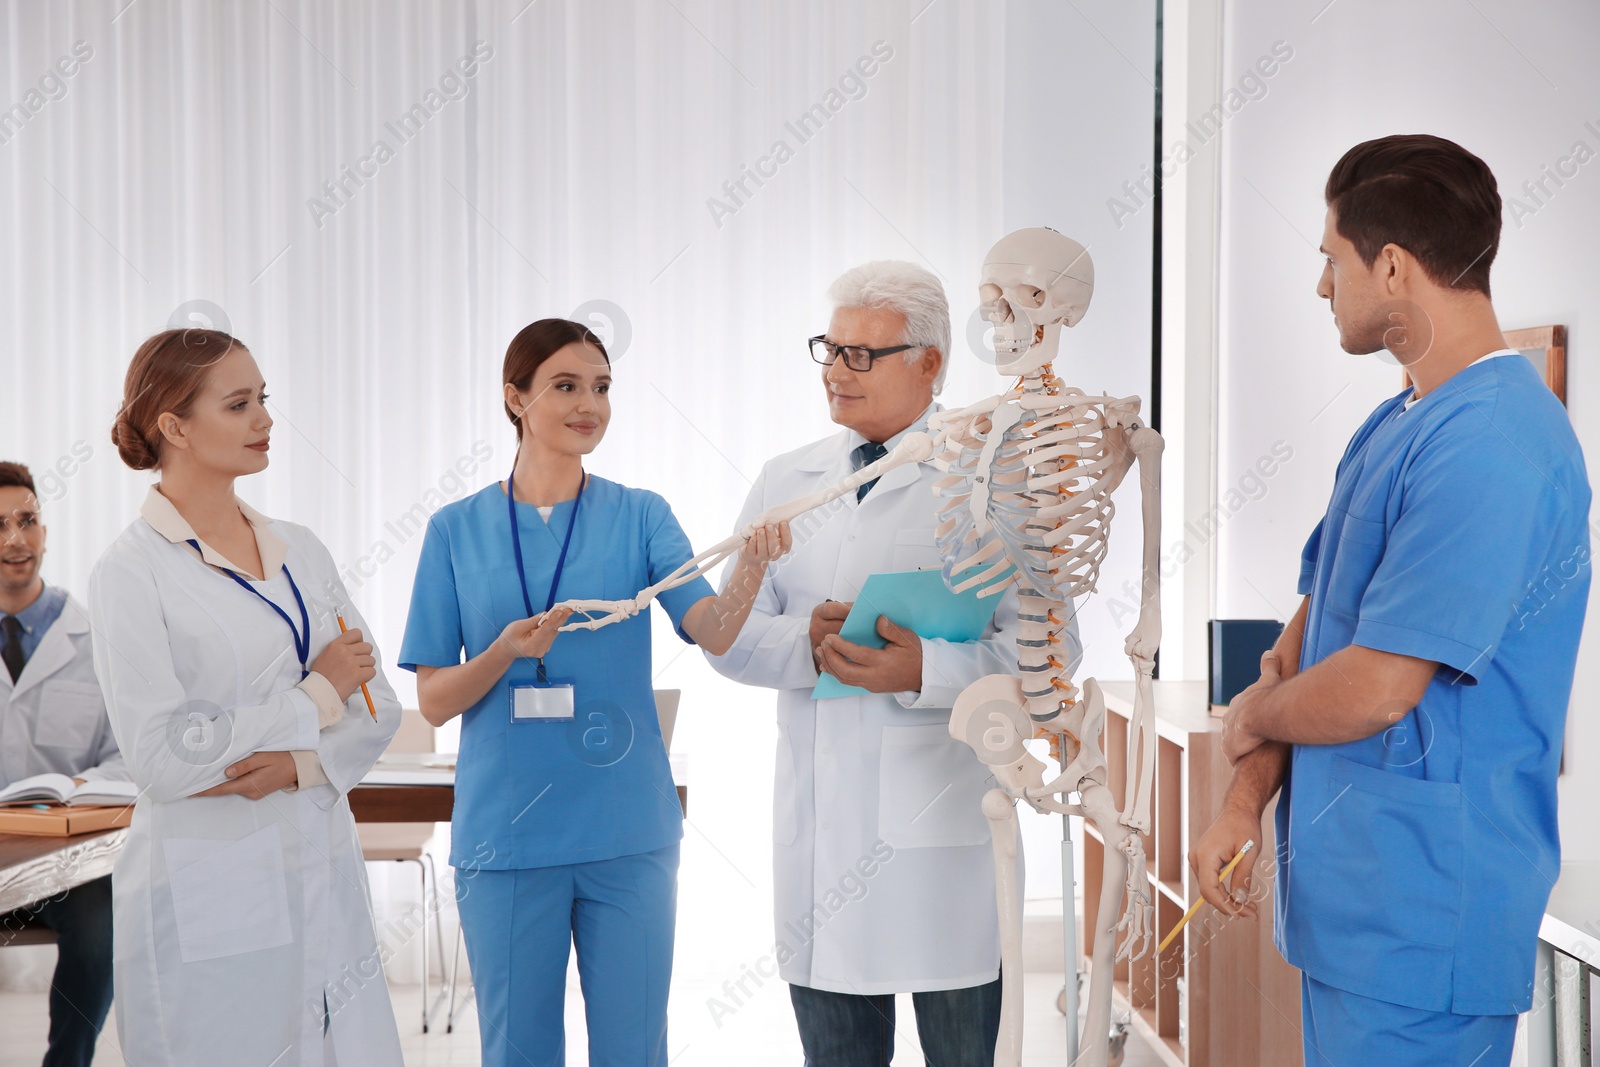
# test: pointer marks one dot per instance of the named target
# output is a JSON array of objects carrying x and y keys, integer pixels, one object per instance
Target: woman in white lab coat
[{"x": 242, "y": 925}]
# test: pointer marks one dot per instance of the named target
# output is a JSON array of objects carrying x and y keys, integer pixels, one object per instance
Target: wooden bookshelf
[{"x": 1240, "y": 1001}]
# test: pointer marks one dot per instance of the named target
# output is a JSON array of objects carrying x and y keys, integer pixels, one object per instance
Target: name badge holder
[
  {"x": 541, "y": 698},
  {"x": 302, "y": 635}
]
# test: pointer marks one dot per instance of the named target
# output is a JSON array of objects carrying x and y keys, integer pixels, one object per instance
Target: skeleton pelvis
[{"x": 990, "y": 717}]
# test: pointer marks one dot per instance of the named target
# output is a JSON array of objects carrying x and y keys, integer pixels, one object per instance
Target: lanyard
[
  {"x": 302, "y": 641},
  {"x": 516, "y": 549}
]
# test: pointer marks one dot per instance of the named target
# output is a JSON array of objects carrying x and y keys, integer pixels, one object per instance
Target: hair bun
[{"x": 131, "y": 444}]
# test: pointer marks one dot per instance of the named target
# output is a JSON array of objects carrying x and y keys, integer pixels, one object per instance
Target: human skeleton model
[{"x": 1028, "y": 501}]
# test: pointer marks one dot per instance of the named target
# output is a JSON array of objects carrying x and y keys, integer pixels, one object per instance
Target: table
[
  {"x": 34, "y": 867},
  {"x": 405, "y": 793},
  {"x": 421, "y": 803}
]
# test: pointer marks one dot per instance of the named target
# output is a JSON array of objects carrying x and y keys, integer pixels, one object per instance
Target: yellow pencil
[
  {"x": 1223, "y": 877},
  {"x": 364, "y": 690}
]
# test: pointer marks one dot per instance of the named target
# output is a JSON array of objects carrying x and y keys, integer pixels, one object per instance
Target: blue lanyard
[
  {"x": 516, "y": 549},
  {"x": 302, "y": 641}
]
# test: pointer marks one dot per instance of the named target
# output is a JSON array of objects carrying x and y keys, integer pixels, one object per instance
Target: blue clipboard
[{"x": 917, "y": 600}]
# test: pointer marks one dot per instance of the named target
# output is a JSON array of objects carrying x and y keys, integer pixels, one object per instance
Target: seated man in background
[{"x": 53, "y": 719}]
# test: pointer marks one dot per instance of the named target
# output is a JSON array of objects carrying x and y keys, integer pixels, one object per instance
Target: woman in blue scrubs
[{"x": 566, "y": 823}]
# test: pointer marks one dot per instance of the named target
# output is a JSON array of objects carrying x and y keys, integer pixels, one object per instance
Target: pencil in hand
[
  {"x": 1222, "y": 877},
  {"x": 364, "y": 690}
]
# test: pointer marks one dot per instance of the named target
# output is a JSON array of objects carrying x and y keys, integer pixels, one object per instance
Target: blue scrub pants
[
  {"x": 520, "y": 926},
  {"x": 1346, "y": 1030}
]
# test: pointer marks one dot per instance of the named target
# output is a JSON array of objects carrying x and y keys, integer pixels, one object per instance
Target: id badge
[
  {"x": 536, "y": 697},
  {"x": 542, "y": 702}
]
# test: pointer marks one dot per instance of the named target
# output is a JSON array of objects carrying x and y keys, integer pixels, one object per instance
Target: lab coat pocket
[
  {"x": 1386, "y": 855},
  {"x": 228, "y": 897},
  {"x": 70, "y": 714},
  {"x": 930, "y": 789},
  {"x": 914, "y": 549},
  {"x": 785, "y": 821}
]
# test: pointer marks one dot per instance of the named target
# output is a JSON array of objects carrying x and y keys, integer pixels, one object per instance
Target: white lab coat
[
  {"x": 882, "y": 863},
  {"x": 236, "y": 919},
  {"x": 53, "y": 717}
]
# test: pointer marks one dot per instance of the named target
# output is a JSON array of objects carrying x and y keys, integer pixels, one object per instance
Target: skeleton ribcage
[{"x": 1048, "y": 502}]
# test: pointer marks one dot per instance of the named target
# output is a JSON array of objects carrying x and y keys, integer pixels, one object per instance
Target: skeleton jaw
[{"x": 1020, "y": 347}]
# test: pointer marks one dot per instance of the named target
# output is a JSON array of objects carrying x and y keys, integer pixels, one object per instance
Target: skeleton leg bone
[
  {"x": 1002, "y": 815},
  {"x": 1102, "y": 812}
]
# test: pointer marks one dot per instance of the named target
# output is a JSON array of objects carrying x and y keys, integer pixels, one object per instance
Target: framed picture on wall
[{"x": 1546, "y": 348}]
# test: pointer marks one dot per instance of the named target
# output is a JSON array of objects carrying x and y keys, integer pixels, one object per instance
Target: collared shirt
[
  {"x": 919, "y": 424},
  {"x": 164, "y": 517},
  {"x": 38, "y": 617}
]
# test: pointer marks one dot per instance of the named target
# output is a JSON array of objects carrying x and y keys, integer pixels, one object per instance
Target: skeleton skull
[{"x": 1035, "y": 281}]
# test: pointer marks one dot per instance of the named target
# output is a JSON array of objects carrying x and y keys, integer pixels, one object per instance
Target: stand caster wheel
[
  {"x": 1061, "y": 997},
  {"x": 1118, "y": 1045}
]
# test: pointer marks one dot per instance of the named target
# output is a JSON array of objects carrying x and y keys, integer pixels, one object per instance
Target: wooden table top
[
  {"x": 33, "y": 867},
  {"x": 402, "y": 803},
  {"x": 421, "y": 803}
]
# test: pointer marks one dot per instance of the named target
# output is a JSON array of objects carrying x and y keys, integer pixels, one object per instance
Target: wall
[{"x": 1514, "y": 83}]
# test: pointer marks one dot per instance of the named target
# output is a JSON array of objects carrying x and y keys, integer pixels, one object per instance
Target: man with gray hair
[{"x": 884, "y": 874}]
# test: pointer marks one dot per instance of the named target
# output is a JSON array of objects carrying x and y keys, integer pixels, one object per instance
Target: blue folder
[{"x": 917, "y": 600}]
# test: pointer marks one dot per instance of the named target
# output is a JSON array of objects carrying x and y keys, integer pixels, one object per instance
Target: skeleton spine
[{"x": 1046, "y": 673}]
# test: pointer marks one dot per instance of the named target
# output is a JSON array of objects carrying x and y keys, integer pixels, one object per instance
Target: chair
[
  {"x": 667, "y": 713},
  {"x": 404, "y": 842}
]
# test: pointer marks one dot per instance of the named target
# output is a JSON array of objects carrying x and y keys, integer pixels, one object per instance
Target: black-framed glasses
[{"x": 855, "y": 357}]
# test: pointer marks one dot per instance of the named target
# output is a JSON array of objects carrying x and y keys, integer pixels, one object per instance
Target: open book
[{"x": 61, "y": 789}]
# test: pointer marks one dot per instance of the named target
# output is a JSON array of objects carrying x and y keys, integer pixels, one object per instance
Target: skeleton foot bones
[{"x": 1028, "y": 501}]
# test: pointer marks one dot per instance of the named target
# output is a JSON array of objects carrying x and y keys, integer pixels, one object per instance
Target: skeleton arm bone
[
  {"x": 1146, "y": 446},
  {"x": 913, "y": 448}
]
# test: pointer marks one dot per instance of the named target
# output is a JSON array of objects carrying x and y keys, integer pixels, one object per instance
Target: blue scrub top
[
  {"x": 539, "y": 794},
  {"x": 1415, "y": 865}
]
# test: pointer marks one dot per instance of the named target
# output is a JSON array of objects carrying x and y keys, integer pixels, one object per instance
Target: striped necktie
[{"x": 861, "y": 456}]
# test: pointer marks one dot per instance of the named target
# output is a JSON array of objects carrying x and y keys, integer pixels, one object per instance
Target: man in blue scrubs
[{"x": 1412, "y": 713}]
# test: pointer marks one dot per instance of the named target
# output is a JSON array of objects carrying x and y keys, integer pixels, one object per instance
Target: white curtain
[
  {"x": 378, "y": 195},
  {"x": 580, "y": 167}
]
